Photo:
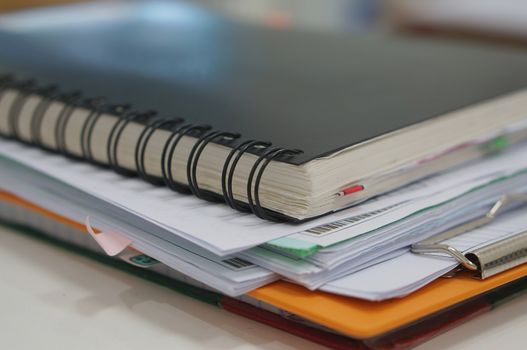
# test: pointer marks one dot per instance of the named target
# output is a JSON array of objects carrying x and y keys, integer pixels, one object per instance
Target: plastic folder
[{"x": 365, "y": 319}]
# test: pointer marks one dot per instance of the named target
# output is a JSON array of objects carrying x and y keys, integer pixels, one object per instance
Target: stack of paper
[
  {"x": 360, "y": 252},
  {"x": 176, "y": 230},
  {"x": 282, "y": 305},
  {"x": 327, "y": 320}
]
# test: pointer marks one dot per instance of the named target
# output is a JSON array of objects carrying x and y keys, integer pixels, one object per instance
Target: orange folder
[
  {"x": 354, "y": 317},
  {"x": 366, "y": 319}
]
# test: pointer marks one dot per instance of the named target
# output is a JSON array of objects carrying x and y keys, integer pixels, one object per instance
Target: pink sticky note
[{"x": 111, "y": 242}]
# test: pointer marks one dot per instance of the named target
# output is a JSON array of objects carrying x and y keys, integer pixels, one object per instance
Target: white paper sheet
[
  {"x": 409, "y": 272},
  {"x": 211, "y": 270}
]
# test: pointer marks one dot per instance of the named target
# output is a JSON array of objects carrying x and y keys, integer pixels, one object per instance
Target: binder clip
[{"x": 488, "y": 260}]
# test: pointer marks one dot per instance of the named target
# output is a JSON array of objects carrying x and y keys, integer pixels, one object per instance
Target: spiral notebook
[{"x": 286, "y": 124}]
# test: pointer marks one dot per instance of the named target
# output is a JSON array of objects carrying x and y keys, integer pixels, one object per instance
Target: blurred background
[
  {"x": 12, "y": 5},
  {"x": 503, "y": 21}
]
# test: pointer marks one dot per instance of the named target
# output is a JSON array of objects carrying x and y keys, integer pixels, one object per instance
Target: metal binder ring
[
  {"x": 195, "y": 154},
  {"x": 226, "y": 181},
  {"x": 115, "y": 135},
  {"x": 255, "y": 205},
  {"x": 25, "y": 88},
  {"x": 142, "y": 143},
  {"x": 168, "y": 155},
  {"x": 60, "y": 126},
  {"x": 89, "y": 126},
  {"x": 432, "y": 245}
]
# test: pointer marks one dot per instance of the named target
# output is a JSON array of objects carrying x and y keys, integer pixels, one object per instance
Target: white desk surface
[{"x": 53, "y": 299}]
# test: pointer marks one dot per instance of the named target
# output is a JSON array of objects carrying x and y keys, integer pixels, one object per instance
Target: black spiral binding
[
  {"x": 71, "y": 101},
  {"x": 142, "y": 143},
  {"x": 115, "y": 135},
  {"x": 6, "y": 81},
  {"x": 226, "y": 181},
  {"x": 203, "y": 133},
  {"x": 47, "y": 96},
  {"x": 50, "y": 95},
  {"x": 167, "y": 157},
  {"x": 26, "y": 88},
  {"x": 193, "y": 158},
  {"x": 266, "y": 158},
  {"x": 89, "y": 125}
]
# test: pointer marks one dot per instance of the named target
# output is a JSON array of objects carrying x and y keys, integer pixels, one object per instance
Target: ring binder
[
  {"x": 490, "y": 259},
  {"x": 99, "y": 106}
]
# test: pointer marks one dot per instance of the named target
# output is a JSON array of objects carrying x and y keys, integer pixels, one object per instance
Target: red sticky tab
[{"x": 351, "y": 190}]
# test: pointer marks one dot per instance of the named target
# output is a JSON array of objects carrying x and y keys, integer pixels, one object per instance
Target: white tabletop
[{"x": 55, "y": 299}]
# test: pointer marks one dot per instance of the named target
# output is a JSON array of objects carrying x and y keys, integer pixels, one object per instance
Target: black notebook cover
[{"x": 314, "y": 91}]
